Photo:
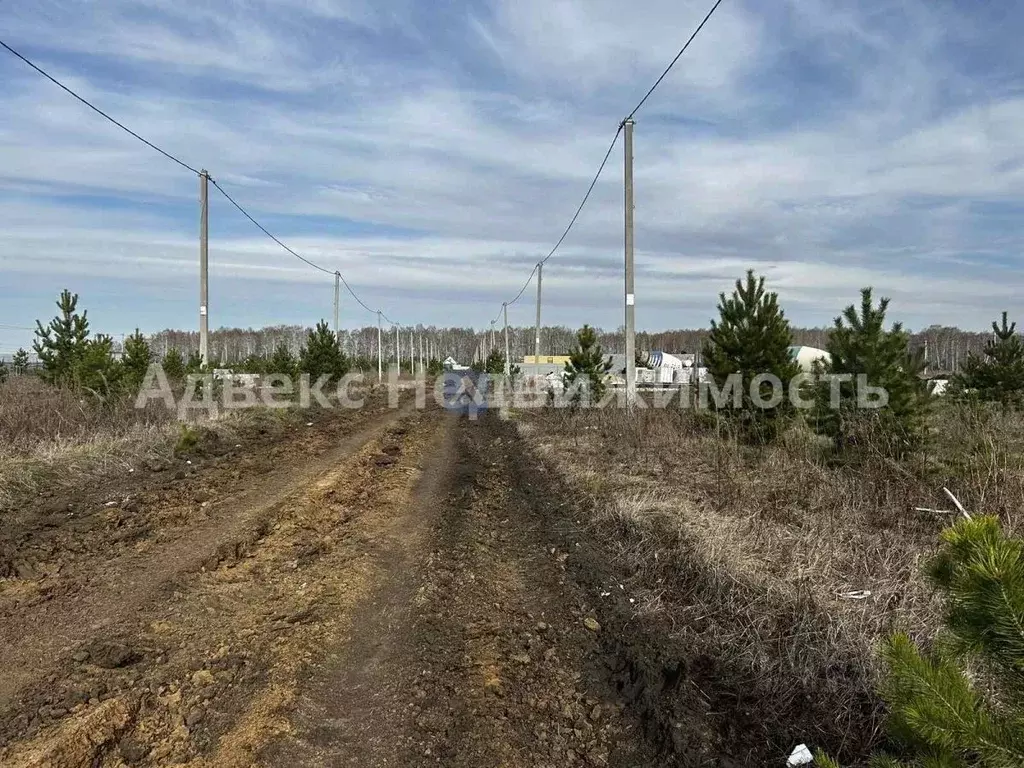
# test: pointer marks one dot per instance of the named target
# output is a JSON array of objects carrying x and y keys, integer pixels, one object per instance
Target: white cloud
[{"x": 830, "y": 145}]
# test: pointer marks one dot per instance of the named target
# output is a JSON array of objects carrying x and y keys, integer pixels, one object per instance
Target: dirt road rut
[{"x": 406, "y": 605}]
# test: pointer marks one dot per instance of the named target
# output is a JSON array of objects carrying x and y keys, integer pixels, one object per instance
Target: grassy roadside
[
  {"x": 54, "y": 440},
  {"x": 756, "y": 582}
]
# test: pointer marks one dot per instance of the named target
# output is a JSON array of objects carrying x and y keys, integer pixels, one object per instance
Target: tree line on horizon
[{"x": 945, "y": 348}]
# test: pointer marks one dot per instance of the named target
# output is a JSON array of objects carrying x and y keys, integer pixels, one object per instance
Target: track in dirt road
[
  {"x": 474, "y": 649},
  {"x": 405, "y": 604}
]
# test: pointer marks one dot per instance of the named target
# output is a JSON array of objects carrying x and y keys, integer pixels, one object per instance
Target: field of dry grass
[
  {"x": 54, "y": 439},
  {"x": 775, "y": 567}
]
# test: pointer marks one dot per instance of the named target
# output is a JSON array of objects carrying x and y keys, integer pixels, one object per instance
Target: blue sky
[{"x": 433, "y": 152}]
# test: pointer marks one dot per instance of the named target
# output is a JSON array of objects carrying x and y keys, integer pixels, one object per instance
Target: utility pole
[
  {"x": 204, "y": 266},
  {"x": 398, "y": 352},
  {"x": 337, "y": 296},
  {"x": 380, "y": 352},
  {"x": 508, "y": 362},
  {"x": 536, "y": 338},
  {"x": 630, "y": 295}
]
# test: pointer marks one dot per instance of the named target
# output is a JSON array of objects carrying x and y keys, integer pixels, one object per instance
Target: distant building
[{"x": 546, "y": 360}]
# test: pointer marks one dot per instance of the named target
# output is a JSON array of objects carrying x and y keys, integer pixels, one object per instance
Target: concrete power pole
[
  {"x": 630, "y": 295},
  {"x": 536, "y": 338},
  {"x": 380, "y": 351},
  {"x": 508, "y": 362},
  {"x": 204, "y": 266},
  {"x": 337, "y": 297}
]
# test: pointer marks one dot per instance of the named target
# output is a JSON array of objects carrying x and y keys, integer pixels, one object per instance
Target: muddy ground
[{"x": 400, "y": 588}]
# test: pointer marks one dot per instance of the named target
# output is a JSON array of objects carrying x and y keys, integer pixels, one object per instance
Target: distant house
[
  {"x": 559, "y": 360},
  {"x": 451, "y": 364}
]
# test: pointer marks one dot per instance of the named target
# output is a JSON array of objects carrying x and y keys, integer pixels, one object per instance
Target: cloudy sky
[{"x": 434, "y": 151}]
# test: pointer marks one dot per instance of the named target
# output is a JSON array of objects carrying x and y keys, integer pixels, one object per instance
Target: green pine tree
[
  {"x": 137, "y": 357},
  {"x": 998, "y": 376},
  {"x": 283, "y": 362},
  {"x": 859, "y": 345},
  {"x": 322, "y": 355},
  {"x": 62, "y": 343},
  {"x": 961, "y": 705},
  {"x": 95, "y": 369},
  {"x": 435, "y": 367},
  {"x": 194, "y": 364},
  {"x": 19, "y": 363},
  {"x": 587, "y": 368},
  {"x": 174, "y": 365},
  {"x": 495, "y": 362},
  {"x": 3, "y": 372},
  {"x": 752, "y": 337}
]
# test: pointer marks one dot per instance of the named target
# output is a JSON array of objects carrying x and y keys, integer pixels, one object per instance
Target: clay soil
[{"x": 393, "y": 587}]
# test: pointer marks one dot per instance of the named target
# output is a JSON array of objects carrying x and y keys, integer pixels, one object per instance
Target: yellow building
[{"x": 546, "y": 359}]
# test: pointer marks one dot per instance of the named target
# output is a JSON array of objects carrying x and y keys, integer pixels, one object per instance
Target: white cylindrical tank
[{"x": 805, "y": 357}]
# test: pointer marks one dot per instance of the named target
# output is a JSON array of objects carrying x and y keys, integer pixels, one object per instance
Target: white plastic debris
[
  {"x": 857, "y": 594},
  {"x": 309, "y": 423},
  {"x": 801, "y": 756},
  {"x": 189, "y": 462},
  {"x": 110, "y": 504}
]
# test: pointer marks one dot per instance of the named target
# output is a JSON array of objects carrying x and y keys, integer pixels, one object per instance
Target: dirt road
[{"x": 393, "y": 592}]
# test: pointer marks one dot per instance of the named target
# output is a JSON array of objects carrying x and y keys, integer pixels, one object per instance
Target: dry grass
[
  {"x": 54, "y": 437},
  {"x": 752, "y": 556}
]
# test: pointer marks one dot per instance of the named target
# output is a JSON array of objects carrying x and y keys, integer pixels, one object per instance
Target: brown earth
[{"x": 399, "y": 588}]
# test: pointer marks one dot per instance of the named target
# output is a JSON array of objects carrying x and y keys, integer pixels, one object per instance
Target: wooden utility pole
[
  {"x": 630, "y": 295},
  {"x": 337, "y": 297},
  {"x": 204, "y": 266},
  {"x": 536, "y": 338},
  {"x": 508, "y": 362}
]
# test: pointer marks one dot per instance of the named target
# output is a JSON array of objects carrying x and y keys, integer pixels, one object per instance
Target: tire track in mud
[
  {"x": 72, "y": 612},
  {"x": 213, "y": 647},
  {"x": 475, "y": 651}
]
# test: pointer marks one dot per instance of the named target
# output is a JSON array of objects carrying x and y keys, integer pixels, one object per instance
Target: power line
[
  {"x": 266, "y": 232},
  {"x": 678, "y": 56},
  {"x": 99, "y": 111},
  {"x": 586, "y": 197},
  {"x": 292, "y": 251},
  {"x": 572, "y": 221},
  {"x": 180, "y": 162},
  {"x": 611, "y": 146}
]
